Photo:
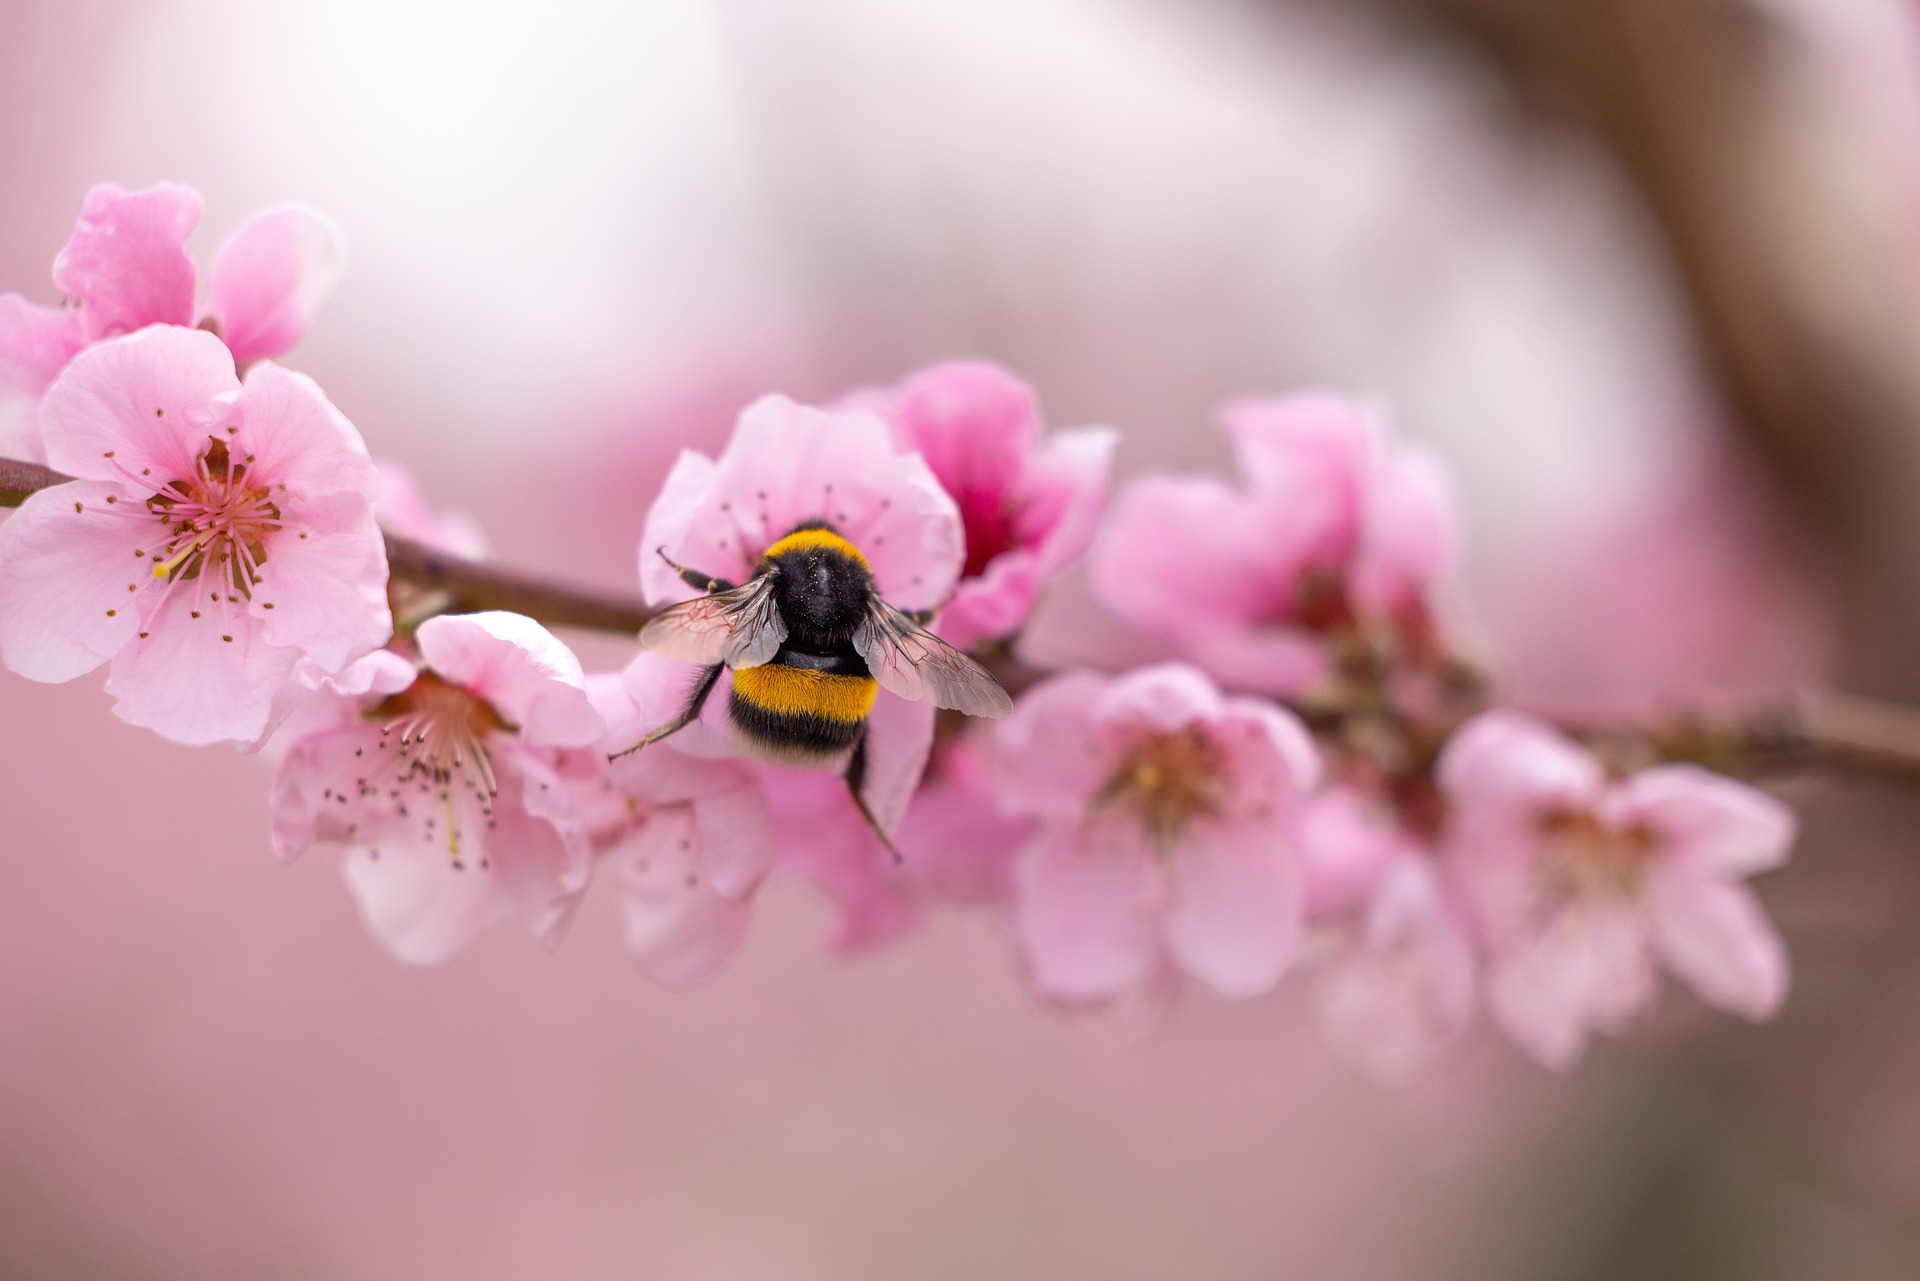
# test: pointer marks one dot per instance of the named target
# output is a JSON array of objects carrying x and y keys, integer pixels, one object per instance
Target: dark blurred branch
[
  {"x": 18, "y": 480},
  {"x": 1806, "y": 310},
  {"x": 1829, "y": 733},
  {"x": 1842, "y": 730}
]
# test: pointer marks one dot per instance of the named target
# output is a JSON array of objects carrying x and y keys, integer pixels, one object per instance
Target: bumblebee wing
[
  {"x": 740, "y": 627},
  {"x": 912, "y": 662}
]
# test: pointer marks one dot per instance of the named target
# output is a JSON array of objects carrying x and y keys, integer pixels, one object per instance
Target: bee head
[{"x": 822, "y": 583}]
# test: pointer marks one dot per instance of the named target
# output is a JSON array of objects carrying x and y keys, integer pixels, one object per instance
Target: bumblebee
[{"x": 811, "y": 644}]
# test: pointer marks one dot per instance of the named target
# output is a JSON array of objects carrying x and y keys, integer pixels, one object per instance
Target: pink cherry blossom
[
  {"x": 126, "y": 267},
  {"x": 788, "y": 464},
  {"x": 1029, "y": 506},
  {"x": 955, "y": 845},
  {"x": 1398, "y": 984},
  {"x": 217, "y": 534},
  {"x": 1578, "y": 883},
  {"x": 448, "y": 794},
  {"x": 1336, "y": 526},
  {"x": 1165, "y": 812},
  {"x": 688, "y": 834}
]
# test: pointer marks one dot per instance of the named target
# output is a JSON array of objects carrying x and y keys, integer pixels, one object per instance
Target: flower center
[
  {"x": 1583, "y": 859},
  {"x": 1167, "y": 780},
  {"x": 988, "y": 523},
  {"x": 442, "y": 733},
  {"x": 217, "y": 522}
]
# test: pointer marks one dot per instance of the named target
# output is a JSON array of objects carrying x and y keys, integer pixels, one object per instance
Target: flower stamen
[
  {"x": 1583, "y": 859},
  {"x": 1167, "y": 780},
  {"x": 442, "y": 732},
  {"x": 215, "y": 518}
]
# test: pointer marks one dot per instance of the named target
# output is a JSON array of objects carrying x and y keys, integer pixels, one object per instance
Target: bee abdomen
[{"x": 797, "y": 713}]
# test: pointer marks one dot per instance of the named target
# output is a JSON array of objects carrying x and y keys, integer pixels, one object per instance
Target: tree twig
[
  {"x": 18, "y": 480},
  {"x": 474, "y": 585}
]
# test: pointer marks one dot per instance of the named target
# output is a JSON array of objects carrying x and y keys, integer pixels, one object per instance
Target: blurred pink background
[{"x": 584, "y": 234}]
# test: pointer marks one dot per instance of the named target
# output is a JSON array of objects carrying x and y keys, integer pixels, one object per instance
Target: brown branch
[
  {"x": 473, "y": 585},
  {"x": 1845, "y": 731},
  {"x": 18, "y": 480}
]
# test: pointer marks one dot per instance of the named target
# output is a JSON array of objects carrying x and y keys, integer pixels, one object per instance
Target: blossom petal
[
  {"x": 899, "y": 740},
  {"x": 547, "y": 888},
  {"x": 1308, "y": 459},
  {"x": 137, "y": 409},
  {"x": 1401, "y": 988},
  {"x": 1508, "y": 758},
  {"x": 670, "y": 523},
  {"x": 972, "y": 421},
  {"x": 1269, "y": 753},
  {"x": 1185, "y": 556},
  {"x": 1276, "y": 660},
  {"x": 1314, "y": 446},
  {"x": 297, "y": 439},
  {"x": 318, "y": 793},
  {"x": 35, "y": 345},
  {"x": 1087, "y": 905},
  {"x": 323, "y": 587},
  {"x": 959, "y": 846},
  {"x": 1409, "y": 538},
  {"x": 1346, "y": 839},
  {"x": 66, "y": 563},
  {"x": 380, "y": 672},
  {"x": 994, "y": 604},
  {"x": 270, "y": 276},
  {"x": 1045, "y": 760},
  {"x": 416, "y": 900},
  {"x": 1064, "y": 494},
  {"x": 127, "y": 261},
  {"x": 1710, "y": 820},
  {"x": 1588, "y": 968},
  {"x": 1717, "y": 937},
  {"x": 823, "y": 840},
  {"x": 427, "y": 896},
  {"x": 204, "y": 673},
  {"x": 518, "y": 666},
  {"x": 680, "y": 929},
  {"x": 1159, "y": 697},
  {"x": 1234, "y": 918}
]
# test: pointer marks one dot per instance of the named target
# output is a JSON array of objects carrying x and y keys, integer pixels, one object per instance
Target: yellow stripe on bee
[
  {"x": 826, "y": 539},
  {"x": 802, "y": 691}
]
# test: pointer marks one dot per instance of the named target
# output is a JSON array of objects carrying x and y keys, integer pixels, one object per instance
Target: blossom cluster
[{"x": 1313, "y": 782}]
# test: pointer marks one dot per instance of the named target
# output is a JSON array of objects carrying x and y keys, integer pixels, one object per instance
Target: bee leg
[
  {"x": 856, "y": 776},
  {"x": 693, "y": 577},
  {"x": 919, "y": 617},
  {"x": 688, "y": 714}
]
